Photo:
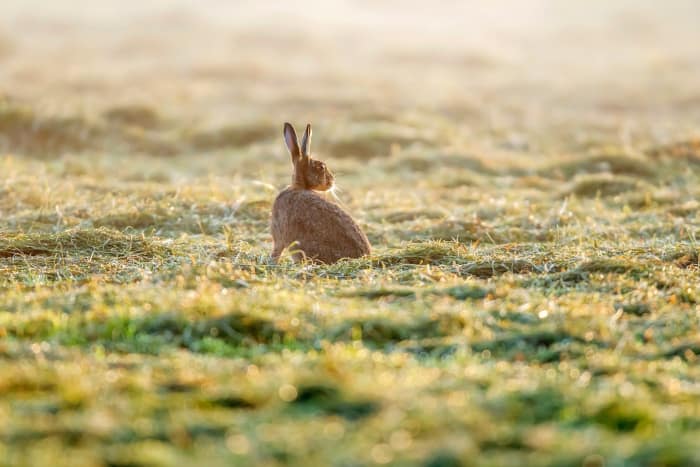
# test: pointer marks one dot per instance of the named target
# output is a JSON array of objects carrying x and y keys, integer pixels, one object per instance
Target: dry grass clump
[
  {"x": 424, "y": 253},
  {"x": 100, "y": 242},
  {"x": 78, "y": 255}
]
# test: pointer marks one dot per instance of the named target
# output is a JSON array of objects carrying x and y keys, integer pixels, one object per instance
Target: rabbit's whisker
[{"x": 332, "y": 190}]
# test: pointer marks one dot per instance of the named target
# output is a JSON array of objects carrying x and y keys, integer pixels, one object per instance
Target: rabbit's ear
[
  {"x": 306, "y": 142},
  {"x": 290, "y": 137}
]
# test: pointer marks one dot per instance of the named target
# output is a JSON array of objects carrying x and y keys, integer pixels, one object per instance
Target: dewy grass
[
  {"x": 533, "y": 292},
  {"x": 137, "y": 299}
]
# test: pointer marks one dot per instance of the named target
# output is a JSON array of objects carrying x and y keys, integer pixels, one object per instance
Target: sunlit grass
[
  {"x": 528, "y": 176},
  {"x": 143, "y": 323}
]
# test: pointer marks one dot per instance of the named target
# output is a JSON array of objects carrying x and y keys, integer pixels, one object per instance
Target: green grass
[{"x": 142, "y": 322}]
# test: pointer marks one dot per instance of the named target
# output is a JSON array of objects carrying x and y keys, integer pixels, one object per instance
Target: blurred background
[{"x": 507, "y": 73}]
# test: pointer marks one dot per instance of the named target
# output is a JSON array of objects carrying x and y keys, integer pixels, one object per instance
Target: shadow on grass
[
  {"x": 322, "y": 399},
  {"x": 617, "y": 164},
  {"x": 582, "y": 273},
  {"x": 604, "y": 185}
]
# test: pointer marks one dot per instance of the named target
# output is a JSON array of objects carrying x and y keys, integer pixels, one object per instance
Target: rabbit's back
[{"x": 321, "y": 229}]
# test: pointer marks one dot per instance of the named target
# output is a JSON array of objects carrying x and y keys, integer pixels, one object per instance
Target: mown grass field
[{"x": 533, "y": 296}]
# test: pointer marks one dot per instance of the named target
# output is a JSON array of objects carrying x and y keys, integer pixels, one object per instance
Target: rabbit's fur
[{"x": 315, "y": 228}]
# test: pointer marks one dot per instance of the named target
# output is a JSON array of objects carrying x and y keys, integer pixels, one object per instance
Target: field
[{"x": 528, "y": 175}]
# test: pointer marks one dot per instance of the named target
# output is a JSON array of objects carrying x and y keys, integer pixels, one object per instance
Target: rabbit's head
[{"x": 309, "y": 174}]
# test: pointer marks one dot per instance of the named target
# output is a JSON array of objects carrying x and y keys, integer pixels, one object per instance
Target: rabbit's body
[
  {"x": 315, "y": 228},
  {"x": 318, "y": 228}
]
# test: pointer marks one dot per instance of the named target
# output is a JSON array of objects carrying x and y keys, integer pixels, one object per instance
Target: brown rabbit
[{"x": 317, "y": 229}]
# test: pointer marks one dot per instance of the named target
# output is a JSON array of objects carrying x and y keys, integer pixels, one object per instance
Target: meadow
[{"x": 528, "y": 176}]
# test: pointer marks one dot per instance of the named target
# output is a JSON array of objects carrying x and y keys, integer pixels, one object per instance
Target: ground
[{"x": 528, "y": 176}]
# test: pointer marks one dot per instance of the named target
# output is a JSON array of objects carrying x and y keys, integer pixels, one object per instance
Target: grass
[
  {"x": 532, "y": 297},
  {"x": 143, "y": 324}
]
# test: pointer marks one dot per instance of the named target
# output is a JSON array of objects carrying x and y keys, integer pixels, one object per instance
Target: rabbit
[{"x": 316, "y": 229}]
